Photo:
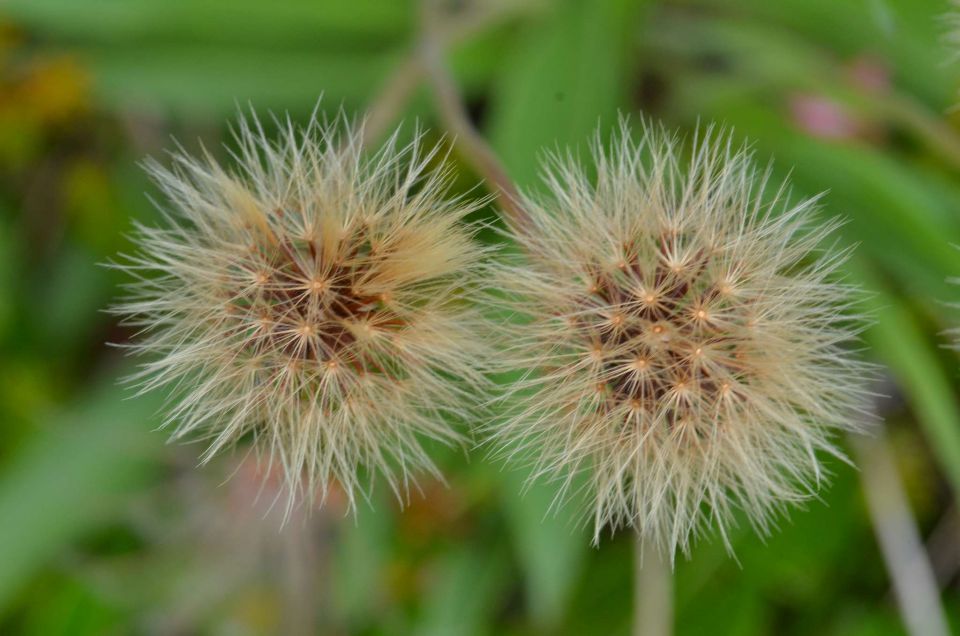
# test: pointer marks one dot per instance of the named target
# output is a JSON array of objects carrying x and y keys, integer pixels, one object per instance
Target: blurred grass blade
[
  {"x": 907, "y": 33},
  {"x": 566, "y": 76},
  {"x": 250, "y": 22},
  {"x": 211, "y": 81},
  {"x": 360, "y": 560},
  {"x": 773, "y": 61},
  {"x": 463, "y": 594},
  {"x": 890, "y": 211},
  {"x": 70, "y": 478},
  {"x": 550, "y": 545},
  {"x": 898, "y": 340}
]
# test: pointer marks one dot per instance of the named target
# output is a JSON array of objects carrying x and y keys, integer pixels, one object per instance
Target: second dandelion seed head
[{"x": 685, "y": 337}]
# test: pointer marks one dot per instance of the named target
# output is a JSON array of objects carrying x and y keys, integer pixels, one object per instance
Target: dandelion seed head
[
  {"x": 686, "y": 338},
  {"x": 316, "y": 298}
]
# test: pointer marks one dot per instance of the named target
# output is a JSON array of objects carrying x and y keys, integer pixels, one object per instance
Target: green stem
[{"x": 652, "y": 592}]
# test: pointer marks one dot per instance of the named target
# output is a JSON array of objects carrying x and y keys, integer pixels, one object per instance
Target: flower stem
[
  {"x": 452, "y": 110},
  {"x": 402, "y": 83},
  {"x": 914, "y": 583},
  {"x": 652, "y": 591},
  {"x": 388, "y": 103}
]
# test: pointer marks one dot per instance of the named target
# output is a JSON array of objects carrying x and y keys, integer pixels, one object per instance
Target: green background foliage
[{"x": 106, "y": 529}]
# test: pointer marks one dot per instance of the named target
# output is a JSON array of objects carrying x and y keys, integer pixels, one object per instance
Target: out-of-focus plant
[{"x": 850, "y": 97}]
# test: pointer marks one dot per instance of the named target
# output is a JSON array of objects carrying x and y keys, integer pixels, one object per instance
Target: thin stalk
[
  {"x": 914, "y": 583},
  {"x": 652, "y": 591},
  {"x": 453, "y": 112},
  {"x": 398, "y": 89},
  {"x": 300, "y": 582},
  {"x": 387, "y": 105}
]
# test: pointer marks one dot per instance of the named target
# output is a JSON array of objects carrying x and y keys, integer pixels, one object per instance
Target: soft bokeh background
[{"x": 106, "y": 529}]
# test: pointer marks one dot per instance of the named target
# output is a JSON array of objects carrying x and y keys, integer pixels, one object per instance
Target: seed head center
[
  {"x": 324, "y": 312},
  {"x": 665, "y": 337}
]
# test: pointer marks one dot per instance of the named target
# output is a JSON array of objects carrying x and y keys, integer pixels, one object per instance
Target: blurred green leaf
[
  {"x": 602, "y": 604},
  {"x": 250, "y": 22},
  {"x": 69, "y": 308},
  {"x": 566, "y": 76},
  {"x": 730, "y": 604},
  {"x": 72, "y": 610},
  {"x": 906, "y": 33},
  {"x": 8, "y": 286},
  {"x": 363, "y": 550},
  {"x": 463, "y": 594},
  {"x": 550, "y": 545},
  {"x": 804, "y": 555},
  {"x": 205, "y": 80},
  {"x": 866, "y": 621},
  {"x": 899, "y": 341},
  {"x": 890, "y": 211},
  {"x": 70, "y": 478},
  {"x": 768, "y": 63}
]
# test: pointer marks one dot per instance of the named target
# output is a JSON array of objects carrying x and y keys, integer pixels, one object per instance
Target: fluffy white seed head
[
  {"x": 315, "y": 299},
  {"x": 685, "y": 341}
]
